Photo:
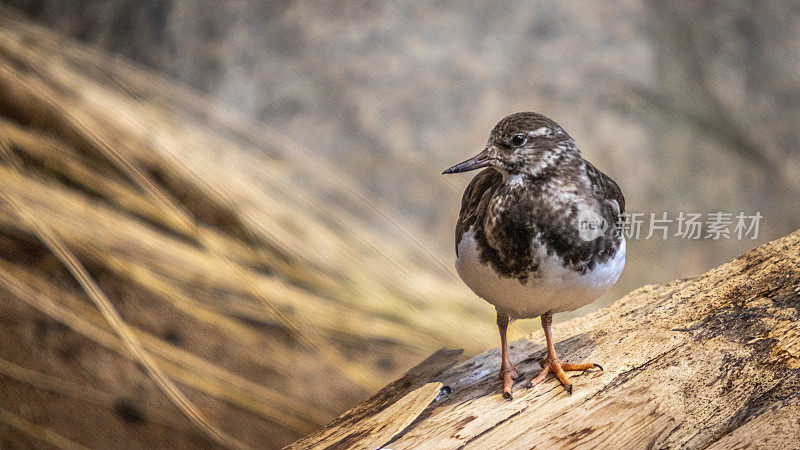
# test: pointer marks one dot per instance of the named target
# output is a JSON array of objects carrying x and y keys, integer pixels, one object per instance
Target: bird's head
[{"x": 524, "y": 142}]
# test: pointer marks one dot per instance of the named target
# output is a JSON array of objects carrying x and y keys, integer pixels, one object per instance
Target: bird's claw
[
  {"x": 508, "y": 374},
  {"x": 558, "y": 369}
]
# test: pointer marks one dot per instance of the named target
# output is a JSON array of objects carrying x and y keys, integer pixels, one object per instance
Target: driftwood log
[{"x": 707, "y": 362}]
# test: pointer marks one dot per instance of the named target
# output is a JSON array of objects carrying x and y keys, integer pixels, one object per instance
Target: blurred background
[{"x": 254, "y": 188}]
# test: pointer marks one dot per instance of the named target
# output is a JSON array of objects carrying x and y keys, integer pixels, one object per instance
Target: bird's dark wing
[
  {"x": 605, "y": 188},
  {"x": 476, "y": 200}
]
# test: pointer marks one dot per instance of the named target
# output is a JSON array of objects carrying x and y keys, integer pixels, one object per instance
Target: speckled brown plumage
[
  {"x": 537, "y": 233},
  {"x": 527, "y": 213}
]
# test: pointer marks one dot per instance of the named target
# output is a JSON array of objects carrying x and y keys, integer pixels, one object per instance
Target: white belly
[{"x": 554, "y": 288}]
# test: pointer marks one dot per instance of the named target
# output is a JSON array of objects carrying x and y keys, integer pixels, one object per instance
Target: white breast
[{"x": 553, "y": 288}]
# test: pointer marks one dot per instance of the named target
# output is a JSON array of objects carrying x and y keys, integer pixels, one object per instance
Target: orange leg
[
  {"x": 508, "y": 373},
  {"x": 551, "y": 363}
]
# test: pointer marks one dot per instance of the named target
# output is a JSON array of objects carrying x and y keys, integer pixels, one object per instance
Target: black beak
[{"x": 476, "y": 162}]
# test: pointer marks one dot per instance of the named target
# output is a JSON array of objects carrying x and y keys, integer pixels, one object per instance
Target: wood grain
[
  {"x": 712, "y": 361},
  {"x": 388, "y": 412}
]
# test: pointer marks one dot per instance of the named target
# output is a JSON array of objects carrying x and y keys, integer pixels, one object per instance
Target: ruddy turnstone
[{"x": 537, "y": 233}]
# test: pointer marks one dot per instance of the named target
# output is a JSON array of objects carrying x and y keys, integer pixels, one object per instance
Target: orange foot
[
  {"x": 508, "y": 374},
  {"x": 558, "y": 368}
]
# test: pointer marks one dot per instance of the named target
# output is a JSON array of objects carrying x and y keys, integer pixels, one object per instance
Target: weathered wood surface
[
  {"x": 712, "y": 361},
  {"x": 405, "y": 399}
]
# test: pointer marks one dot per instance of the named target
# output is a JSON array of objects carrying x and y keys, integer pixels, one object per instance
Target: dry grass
[{"x": 152, "y": 243}]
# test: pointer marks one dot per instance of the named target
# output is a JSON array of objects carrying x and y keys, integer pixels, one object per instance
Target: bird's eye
[{"x": 518, "y": 140}]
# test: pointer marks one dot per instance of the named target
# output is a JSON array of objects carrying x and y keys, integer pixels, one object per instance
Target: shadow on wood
[{"x": 708, "y": 361}]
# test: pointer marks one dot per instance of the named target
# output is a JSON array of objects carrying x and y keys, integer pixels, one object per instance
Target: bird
[{"x": 540, "y": 231}]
